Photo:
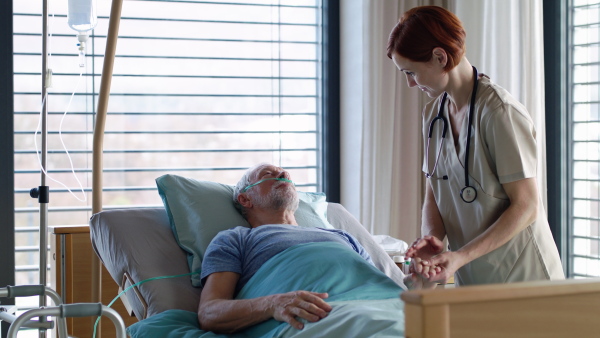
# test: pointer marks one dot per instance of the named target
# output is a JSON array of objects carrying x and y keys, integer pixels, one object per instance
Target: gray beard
[{"x": 277, "y": 199}]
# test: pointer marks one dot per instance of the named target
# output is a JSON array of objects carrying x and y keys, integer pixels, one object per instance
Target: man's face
[{"x": 273, "y": 194}]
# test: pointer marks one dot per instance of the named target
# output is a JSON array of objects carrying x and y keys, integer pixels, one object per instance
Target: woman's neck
[{"x": 460, "y": 84}]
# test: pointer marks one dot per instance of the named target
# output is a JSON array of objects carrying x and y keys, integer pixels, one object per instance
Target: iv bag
[{"x": 82, "y": 15}]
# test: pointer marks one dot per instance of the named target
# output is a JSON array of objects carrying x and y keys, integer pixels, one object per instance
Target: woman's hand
[
  {"x": 425, "y": 248},
  {"x": 304, "y": 304},
  {"x": 443, "y": 266},
  {"x": 423, "y": 268}
]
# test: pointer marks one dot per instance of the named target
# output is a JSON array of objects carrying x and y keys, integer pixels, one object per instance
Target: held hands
[
  {"x": 439, "y": 268},
  {"x": 415, "y": 281},
  {"x": 430, "y": 263},
  {"x": 304, "y": 304},
  {"x": 424, "y": 269}
]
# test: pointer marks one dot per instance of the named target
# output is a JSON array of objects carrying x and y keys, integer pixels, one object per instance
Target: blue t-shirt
[{"x": 244, "y": 250}]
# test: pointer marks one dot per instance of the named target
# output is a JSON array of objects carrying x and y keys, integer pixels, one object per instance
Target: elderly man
[{"x": 267, "y": 198}]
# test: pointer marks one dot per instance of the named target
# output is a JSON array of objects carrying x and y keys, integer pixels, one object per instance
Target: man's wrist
[{"x": 267, "y": 306}]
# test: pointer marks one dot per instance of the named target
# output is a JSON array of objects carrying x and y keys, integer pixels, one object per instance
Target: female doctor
[{"x": 480, "y": 163}]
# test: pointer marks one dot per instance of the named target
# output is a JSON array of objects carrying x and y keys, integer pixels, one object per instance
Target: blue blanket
[{"x": 365, "y": 301}]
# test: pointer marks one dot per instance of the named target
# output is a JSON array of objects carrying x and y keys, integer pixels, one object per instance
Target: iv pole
[{"x": 42, "y": 193}]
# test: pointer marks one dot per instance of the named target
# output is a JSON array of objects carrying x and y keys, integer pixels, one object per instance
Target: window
[
  {"x": 584, "y": 143},
  {"x": 201, "y": 89}
]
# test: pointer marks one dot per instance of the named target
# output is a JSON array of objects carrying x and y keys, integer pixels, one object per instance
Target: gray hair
[{"x": 241, "y": 185}]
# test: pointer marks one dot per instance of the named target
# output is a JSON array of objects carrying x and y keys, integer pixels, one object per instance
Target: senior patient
[{"x": 267, "y": 199}]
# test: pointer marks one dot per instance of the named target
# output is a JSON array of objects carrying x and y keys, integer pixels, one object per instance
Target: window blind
[
  {"x": 202, "y": 89},
  {"x": 584, "y": 122}
]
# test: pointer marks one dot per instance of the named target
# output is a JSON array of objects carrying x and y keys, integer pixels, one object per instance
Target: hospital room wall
[{"x": 7, "y": 237}]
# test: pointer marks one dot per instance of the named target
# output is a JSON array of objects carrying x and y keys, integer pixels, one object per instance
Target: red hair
[{"x": 421, "y": 29}]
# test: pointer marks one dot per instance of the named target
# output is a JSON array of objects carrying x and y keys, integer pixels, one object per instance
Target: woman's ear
[{"x": 440, "y": 56}]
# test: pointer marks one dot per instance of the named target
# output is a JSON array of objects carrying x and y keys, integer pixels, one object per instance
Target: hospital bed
[{"x": 139, "y": 244}]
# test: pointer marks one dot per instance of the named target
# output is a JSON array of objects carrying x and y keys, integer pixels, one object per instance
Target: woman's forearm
[
  {"x": 517, "y": 217},
  {"x": 431, "y": 220}
]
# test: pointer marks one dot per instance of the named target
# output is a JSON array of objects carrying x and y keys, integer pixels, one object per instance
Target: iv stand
[{"x": 42, "y": 193}]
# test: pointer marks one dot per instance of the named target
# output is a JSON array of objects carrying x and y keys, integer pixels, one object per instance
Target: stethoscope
[{"x": 468, "y": 193}]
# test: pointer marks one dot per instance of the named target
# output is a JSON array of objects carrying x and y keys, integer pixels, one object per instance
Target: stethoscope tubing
[
  {"x": 468, "y": 193},
  {"x": 439, "y": 117},
  {"x": 471, "y": 109}
]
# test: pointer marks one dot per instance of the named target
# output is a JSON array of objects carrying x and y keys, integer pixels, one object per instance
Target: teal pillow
[{"x": 199, "y": 210}]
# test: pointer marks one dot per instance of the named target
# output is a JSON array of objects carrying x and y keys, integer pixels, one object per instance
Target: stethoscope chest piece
[{"x": 468, "y": 194}]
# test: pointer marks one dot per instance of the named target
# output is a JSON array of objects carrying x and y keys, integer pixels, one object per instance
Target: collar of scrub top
[
  {"x": 268, "y": 179},
  {"x": 468, "y": 193}
]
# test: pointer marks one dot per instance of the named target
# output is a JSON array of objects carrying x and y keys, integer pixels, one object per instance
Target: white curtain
[
  {"x": 382, "y": 182},
  {"x": 381, "y": 156}
]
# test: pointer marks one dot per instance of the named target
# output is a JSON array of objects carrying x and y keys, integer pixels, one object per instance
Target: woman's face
[{"x": 427, "y": 76}]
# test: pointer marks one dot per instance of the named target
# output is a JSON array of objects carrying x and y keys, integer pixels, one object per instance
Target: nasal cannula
[{"x": 267, "y": 179}]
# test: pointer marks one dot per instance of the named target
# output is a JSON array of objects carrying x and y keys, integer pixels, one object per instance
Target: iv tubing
[{"x": 63, "y": 144}]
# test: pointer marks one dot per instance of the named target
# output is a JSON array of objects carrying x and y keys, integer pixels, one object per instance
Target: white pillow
[{"x": 199, "y": 210}]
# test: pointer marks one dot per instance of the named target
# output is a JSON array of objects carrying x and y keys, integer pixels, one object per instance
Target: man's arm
[{"x": 219, "y": 312}]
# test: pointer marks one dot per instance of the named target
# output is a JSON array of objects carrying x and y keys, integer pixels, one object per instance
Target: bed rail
[{"x": 98, "y": 139}]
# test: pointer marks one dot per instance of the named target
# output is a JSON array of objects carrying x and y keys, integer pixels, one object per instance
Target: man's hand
[
  {"x": 219, "y": 312},
  {"x": 304, "y": 304},
  {"x": 414, "y": 281}
]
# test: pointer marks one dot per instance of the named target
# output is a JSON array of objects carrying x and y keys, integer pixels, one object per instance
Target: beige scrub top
[{"x": 502, "y": 149}]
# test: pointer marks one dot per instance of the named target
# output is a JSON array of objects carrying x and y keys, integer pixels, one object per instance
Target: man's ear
[
  {"x": 244, "y": 200},
  {"x": 440, "y": 56}
]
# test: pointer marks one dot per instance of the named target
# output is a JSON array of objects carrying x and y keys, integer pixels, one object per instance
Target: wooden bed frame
[
  {"x": 549, "y": 309},
  {"x": 568, "y": 308}
]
